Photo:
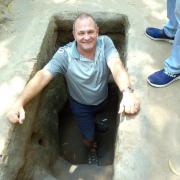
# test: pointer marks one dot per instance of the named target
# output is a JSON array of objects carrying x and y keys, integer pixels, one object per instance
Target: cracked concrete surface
[{"x": 146, "y": 141}]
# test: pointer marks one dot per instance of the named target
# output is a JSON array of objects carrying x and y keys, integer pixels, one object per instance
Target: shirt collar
[{"x": 75, "y": 52}]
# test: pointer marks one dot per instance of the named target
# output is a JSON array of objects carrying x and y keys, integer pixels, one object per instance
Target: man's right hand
[
  {"x": 34, "y": 86},
  {"x": 16, "y": 114}
]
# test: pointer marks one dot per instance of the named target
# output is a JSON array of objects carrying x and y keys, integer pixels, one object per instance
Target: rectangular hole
[{"x": 54, "y": 97}]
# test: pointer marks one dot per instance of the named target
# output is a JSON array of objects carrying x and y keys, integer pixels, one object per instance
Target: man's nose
[{"x": 86, "y": 36}]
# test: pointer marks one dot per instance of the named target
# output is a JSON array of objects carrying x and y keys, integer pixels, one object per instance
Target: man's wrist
[
  {"x": 20, "y": 102},
  {"x": 128, "y": 89}
]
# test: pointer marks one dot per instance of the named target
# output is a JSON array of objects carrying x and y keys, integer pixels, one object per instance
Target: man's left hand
[{"x": 129, "y": 103}]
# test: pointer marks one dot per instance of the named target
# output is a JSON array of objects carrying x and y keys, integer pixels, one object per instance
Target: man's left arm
[{"x": 129, "y": 103}]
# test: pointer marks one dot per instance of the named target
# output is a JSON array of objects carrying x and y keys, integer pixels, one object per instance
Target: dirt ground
[{"x": 147, "y": 142}]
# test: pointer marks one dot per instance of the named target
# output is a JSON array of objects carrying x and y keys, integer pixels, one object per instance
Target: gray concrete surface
[{"x": 145, "y": 142}]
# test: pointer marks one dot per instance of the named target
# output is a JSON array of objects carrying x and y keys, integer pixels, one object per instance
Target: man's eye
[
  {"x": 80, "y": 33},
  {"x": 90, "y": 32}
]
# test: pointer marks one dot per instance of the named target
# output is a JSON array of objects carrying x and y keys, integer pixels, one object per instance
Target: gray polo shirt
[{"x": 87, "y": 79}]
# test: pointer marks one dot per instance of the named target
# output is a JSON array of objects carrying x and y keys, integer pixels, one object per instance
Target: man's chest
[{"x": 87, "y": 69}]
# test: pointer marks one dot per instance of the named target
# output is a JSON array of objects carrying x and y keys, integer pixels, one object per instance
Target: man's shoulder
[
  {"x": 64, "y": 50},
  {"x": 66, "y": 46},
  {"x": 103, "y": 37},
  {"x": 103, "y": 40}
]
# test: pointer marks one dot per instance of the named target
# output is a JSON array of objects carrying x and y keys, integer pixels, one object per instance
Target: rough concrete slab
[{"x": 145, "y": 142}]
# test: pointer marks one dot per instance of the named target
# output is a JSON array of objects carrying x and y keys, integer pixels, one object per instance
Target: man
[
  {"x": 170, "y": 32},
  {"x": 85, "y": 64}
]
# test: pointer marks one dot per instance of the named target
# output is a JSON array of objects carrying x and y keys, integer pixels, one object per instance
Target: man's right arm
[{"x": 35, "y": 85}]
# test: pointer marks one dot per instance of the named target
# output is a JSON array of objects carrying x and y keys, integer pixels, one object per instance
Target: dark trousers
[{"x": 85, "y": 117}]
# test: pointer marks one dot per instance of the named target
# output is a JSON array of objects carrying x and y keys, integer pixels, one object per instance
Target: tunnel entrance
[
  {"x": 71, "y": 146},
  {"x": 74, "y": 154},
  {"x": 72, "y": 151},
  {"x": 55, "y": 149}
]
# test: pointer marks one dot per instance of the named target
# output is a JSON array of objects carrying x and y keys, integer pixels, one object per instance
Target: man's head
[{"x": 85, "y": 31}]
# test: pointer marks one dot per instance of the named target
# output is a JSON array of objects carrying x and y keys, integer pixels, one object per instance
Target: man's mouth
[{"x": 86, "y": 42}]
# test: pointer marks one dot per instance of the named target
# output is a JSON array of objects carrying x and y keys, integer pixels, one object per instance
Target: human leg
[
  {"x": 172, "y": 64},
  {"x": 167, "y": 33},
  {"x": 171, "y": 71},
  {"x": 170, "y": 27},
  {"x": 84, "y": 118}
]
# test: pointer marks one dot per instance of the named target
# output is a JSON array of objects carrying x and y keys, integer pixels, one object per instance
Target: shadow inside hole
[
  {"x": 38, "y": 139},
  {"x": 41, "y": 142},
  {"x": 71, "y": 146},
  {"x": 43, "y": 149}
]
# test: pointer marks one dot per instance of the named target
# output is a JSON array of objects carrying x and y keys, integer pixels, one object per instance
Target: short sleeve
[
  {"x": 110, "y": 50},
  {"x": 58, "y": 63}
]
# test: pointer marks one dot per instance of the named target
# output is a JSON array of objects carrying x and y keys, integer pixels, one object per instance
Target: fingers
[
  {"x": 21, "y": 116},
  {"x": 129, "y": 104},
  {"x": 136, "y": 107},
  {"x": 15, "y": 116},
  {"x": 129, "y": 108},
  {"x": 132, "y": 109},
  {"x": 121, "y": 108}
]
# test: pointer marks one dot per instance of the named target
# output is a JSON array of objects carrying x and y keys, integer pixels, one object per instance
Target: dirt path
[{"x": 145, "y": 142}]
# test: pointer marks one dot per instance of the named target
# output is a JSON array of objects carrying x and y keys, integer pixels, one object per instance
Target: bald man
[{"x": 86, "y": 64}]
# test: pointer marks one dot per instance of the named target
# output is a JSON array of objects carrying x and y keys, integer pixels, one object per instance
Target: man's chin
[{"x": 88, "y": 48}]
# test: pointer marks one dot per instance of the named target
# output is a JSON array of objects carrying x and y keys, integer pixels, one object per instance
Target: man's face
[{"x": 85, "y": 33}]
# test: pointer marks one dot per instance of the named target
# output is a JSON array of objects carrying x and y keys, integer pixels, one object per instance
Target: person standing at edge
[
  {"x": 86, "y": 64},
  {"x": 170, "y": 32}
]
